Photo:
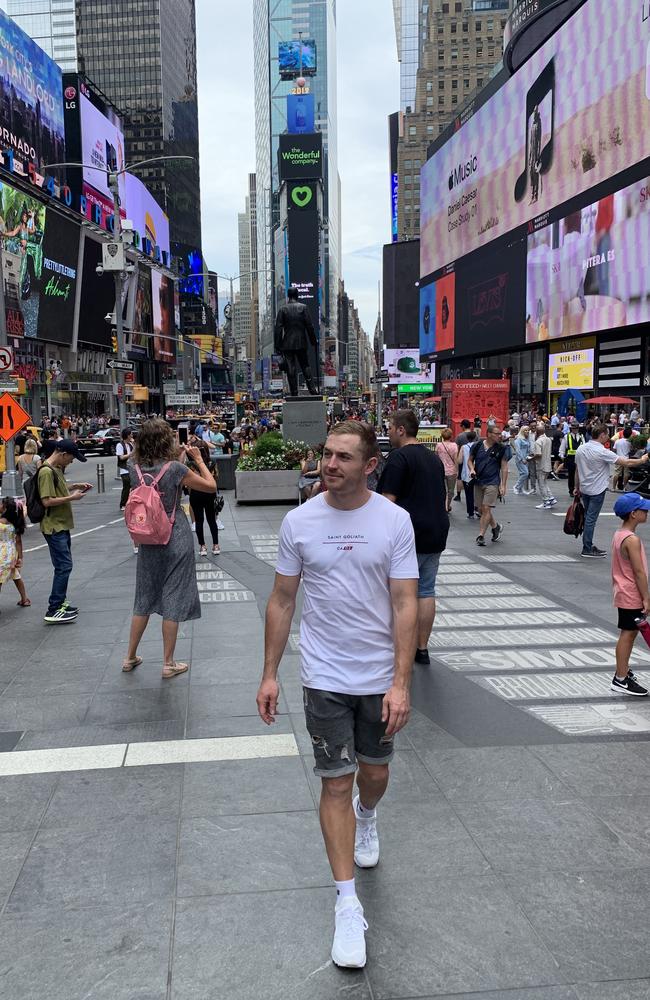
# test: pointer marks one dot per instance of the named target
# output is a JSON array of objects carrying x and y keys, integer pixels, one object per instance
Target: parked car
[{"x": 104, "y": 442}]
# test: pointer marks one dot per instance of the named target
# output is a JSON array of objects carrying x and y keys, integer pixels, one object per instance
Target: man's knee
[
  {"x": 373, "y": 774},
  {"x": 336, "y": 789}
]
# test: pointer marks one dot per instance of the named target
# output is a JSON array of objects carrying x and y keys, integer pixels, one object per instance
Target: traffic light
[{"x": 114, "y": 343}]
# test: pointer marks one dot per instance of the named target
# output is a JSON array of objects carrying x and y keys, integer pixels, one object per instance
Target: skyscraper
[
  {"x": 246, "y": 307},
  {"x": 142, "y": 55},
  {"x": 459, "y": 46},
  {"x": 276, "y": 21},
  {"x": 410, "y": 33},
  {"x": 51, "y": 23}
]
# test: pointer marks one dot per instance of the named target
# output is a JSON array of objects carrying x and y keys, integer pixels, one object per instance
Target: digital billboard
[
  {"x": 58, "y": 279},
  {"x": 571, "y": 370},
  {"x": 143, "y": 314},
  {"x": 102, "y": 145},
  {"x": 303, "y": 234},
  {"x": 22, "y": 229},
  {"x": 491, "y": 298},
  {"x": 590, "y": 271},
  {"x": 297, "y": 57},
  {"x": 162, "y": 300},
  {"x": 301, "y": 156},
  {"x": 97, "y": 297},
  {"x": 150, "y": 221},
  {"x": 574, "y": 115},
  {"x": 438, "y": 315},
  {"x": 404, "y": 366},
  {"x": 300, "y": 113},
  {"x": 31, "y": 99}
]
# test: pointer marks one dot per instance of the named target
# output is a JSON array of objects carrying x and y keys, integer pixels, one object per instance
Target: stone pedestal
[{"x": 304, "y": 418}]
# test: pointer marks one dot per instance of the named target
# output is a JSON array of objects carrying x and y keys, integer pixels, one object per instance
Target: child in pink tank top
[{"x": 630, "y": 585}]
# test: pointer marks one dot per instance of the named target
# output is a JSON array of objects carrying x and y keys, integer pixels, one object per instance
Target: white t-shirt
[
  {"x": 594, "y": 464},
  {"x": 347, "y": 558},
  {"x": 123, "y": 450},
  {"x": 623, "y": 447}
]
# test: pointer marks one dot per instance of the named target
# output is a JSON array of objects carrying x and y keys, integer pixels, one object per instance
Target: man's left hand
[{"x": 396, "y": 709}]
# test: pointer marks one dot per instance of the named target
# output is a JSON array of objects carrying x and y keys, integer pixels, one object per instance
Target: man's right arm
[
  {"x": 279, "y": 614},
  {"x": 46, "y": 490}
]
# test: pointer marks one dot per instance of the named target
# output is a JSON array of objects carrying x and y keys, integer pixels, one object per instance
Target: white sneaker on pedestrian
[
  {"x": 366, "y": 840},
  {"x": 544, "y": 505},
  {"x": 349, "y": 945},
  {"x": 221, "y": 526}
]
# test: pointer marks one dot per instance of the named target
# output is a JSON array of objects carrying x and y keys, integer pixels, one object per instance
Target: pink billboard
[
  {"x": 577, "y": 113},
  {"x": 150, "y": 222}
]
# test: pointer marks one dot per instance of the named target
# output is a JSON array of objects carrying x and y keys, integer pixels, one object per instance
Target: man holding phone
[{"x": 57, "y": 499}]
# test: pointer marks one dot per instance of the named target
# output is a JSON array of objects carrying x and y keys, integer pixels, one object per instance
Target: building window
[
  {"x": 454, "y": 84},
  {"x": 441, "y": 54},
  {"x": 458, "y": 8},
  {"x": 454, "y": 99},
  {"x": 479, "y": 82},
  {"x": 466, "y": 83},
  {"x": 429, "y": 86},
  {"x": 417, "y": 164},
  {"x": 441, "y": 101},
  {"x": 429, "y": 129},
  {"x": 479, "y": 26},
  {"x": 445, "y": 8},
  {"x": 413, "y": 130},
  {"x": 441, "y": 84},
  {"x": 465, "y": 27},
  {"x": 454, "y": 29},
  {"x": 408, "y": 164}
]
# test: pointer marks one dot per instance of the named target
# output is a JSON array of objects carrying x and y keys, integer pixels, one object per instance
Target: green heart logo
[{"x": 301, "y": 196}]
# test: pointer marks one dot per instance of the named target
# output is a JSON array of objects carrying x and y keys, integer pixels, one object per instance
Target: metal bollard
[{"x": 100, "y": 479}]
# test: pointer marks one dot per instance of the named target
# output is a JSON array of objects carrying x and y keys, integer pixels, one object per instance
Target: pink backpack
[{"x": 146, "y": 519}]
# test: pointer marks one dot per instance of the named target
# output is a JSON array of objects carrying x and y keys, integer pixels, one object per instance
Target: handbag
[
  {"x": 219, "y": 503},
  {"x": 574, "y": 522}
]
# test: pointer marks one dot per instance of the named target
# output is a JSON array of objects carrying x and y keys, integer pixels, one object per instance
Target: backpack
[
  {"x": 147, "y": 521},
  {"x": 33, "y": 502},
  {"x": 574, "y": 522}
]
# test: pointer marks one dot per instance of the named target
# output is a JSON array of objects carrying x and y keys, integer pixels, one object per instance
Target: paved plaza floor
[{"x": 157, "y": 842}]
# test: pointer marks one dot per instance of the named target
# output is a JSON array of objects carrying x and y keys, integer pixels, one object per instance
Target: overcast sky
[{"x": 368, "y": 88}]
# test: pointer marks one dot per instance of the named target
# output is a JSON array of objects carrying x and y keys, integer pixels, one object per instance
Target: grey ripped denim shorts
[{"x": 345, "y": 728}]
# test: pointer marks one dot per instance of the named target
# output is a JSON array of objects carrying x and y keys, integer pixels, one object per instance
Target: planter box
[{"x": 261, "y": 487}]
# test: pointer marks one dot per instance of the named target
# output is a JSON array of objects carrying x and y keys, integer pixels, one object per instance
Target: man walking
[
  {"x": 58, "y": 523},
  {"x": 414, "y": 478},
  {"x": 543, "y": 452},
  {"x": 594, "y": 465},
  {"x": 356, "y": 554},
  {"x": 294, "y": 331},
  {"x": 488, "y": 467}
]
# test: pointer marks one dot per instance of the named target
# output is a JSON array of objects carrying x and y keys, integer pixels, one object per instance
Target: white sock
[
  {"x": 364, "y": 813},
  {"x": 345, "y": 890}
]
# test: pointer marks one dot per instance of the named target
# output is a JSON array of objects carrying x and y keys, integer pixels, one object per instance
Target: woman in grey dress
[{"x": 166, "y": 577}]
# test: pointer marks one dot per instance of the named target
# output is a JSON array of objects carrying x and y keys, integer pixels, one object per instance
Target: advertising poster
[
  {"x": 491, "y": 299},
  {"x": 143, "y": 315},
  {"x": 102, "y": 144},
  {"x": 591, "y": 270},
  {"x": 303, "y": 246},
  {"x": 31, "y": 98},
  {"x": 150, "y": 222},
  {"x": 300, "y": 113},
  {"x": 22, "y": 229},
  {"x": 301, "y": 156},
  {"x": 571, "y": 370},
  {"x": 574, "y": 115},
  {"x": 296, "y": 57},
  {"x": 97, "y": 298},
  {"x": 405, "y": 368},
  {"x": 58, "y": 279},
  {"x": 162, "y": 299}
]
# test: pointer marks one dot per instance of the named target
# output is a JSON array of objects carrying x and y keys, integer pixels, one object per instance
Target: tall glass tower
[
  {"x": 142, "y": 55},
  {"x": 51, "y": 23},
  {"x": 276, "y": 21}
]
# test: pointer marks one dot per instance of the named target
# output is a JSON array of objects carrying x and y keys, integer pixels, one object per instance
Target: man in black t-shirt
[{"x": 414, "y": 478}]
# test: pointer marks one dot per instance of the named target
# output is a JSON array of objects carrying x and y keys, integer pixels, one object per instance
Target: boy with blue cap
[{"x": 630, "y": 583}]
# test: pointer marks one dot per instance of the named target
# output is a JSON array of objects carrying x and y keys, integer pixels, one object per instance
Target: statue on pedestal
[{"x": 294, "y": 331}]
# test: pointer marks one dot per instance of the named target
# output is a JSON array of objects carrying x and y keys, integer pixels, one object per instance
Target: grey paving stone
[
  {"x": 594, "y": 922},
  {"x": 546, "y": 834},
  {"x": 47, "y": 657},
  {"x": 141, "y": 705},
  {"x": 23, "y": 799},
  {"x": 631, "y": 989},
  {"x": 438, "y": 936},
  {"x": 123, "y": 862},
  {"x": 57, "y": 678},
  {"x": 423, "y": 734},
  {"x": 92, "y": 799},
  {"x": 103, "y": 953},
  {"x": 541, "y": 993},
  {"x": 8, "y": 740},
  {"x": 244, "y": 669},
  {"x": 209, "y": 702},
  {"x": 229, "y": 788},
  {"x": 627, "y": 815},
  {"x": 492, "y": 773},
  {"x": 288, "y": 933},
  {"x": 597, "y": 768},
  {"x": 13, "y": 851},
  {"x": 239, "y": 725},
  {"x": 251, "y": 853},
  {"x": 224, "y": 644},
  {"x": 47, "y": 711},
  {"x": 85, "y": 736}
]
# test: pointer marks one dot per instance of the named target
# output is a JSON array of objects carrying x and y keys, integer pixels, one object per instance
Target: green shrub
[{"x": 269, "y": 444}]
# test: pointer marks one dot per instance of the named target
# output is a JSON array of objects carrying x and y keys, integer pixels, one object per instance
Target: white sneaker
[
  {"x": 366, "y": 841},
  {"x": 349, "y": 945},
  {"x": 221, "y": 526}
]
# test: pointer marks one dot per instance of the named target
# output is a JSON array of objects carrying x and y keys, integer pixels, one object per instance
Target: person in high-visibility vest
[{"x": 568, "y": 449}]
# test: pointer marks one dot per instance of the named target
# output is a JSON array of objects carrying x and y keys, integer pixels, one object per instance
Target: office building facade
[
  {"x": 246, "y": 305},
  {"x": 460, "y": 46},
  {"x": 142, "y": 55},
  {"x": 51, "y": 23},
  {"x": 278, "y": 21}
]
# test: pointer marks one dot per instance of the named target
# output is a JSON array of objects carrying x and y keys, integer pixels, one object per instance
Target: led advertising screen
[
  {"x": 97, "y": 297},
  {"x": 150, "y": 222},
  {"x": 143, "y": 314},
  {"x": 571, "y": 370},
  {"x": 301, "y": 156},
  {"x": 31, "y": 99},
  {"x": 162, "y": 300},
  {"x": 591, "y": 270},
  {"x": 300, "y": 113},
  {"x": 491, "y": 298},
  {"x": 22, "y": 229},
  {"x": 297, "y": 57},
  {"x": 58, "y": 279},
  {"x": 404, "y": 367},
  {"x": 303, "y": 233},
  {"x": 438, "y": 316},
  {"x": 102, "y": 144},
  {"x": 574, "y": 115}
]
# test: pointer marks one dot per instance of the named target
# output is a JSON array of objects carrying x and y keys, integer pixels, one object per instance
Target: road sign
[
  {"x": 129, "y": 378},
  {"x": 121, "y": 366},
  {"x": 381, "y": 377},
  {"x": 423, "y": 387},
  {"x": 6, "y": 359},
  {"x": 12, "y": 417},
  {"x": 186, "y": 399}
]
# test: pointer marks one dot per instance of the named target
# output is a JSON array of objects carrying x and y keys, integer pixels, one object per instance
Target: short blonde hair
[{"x": 31, "y": 447}]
